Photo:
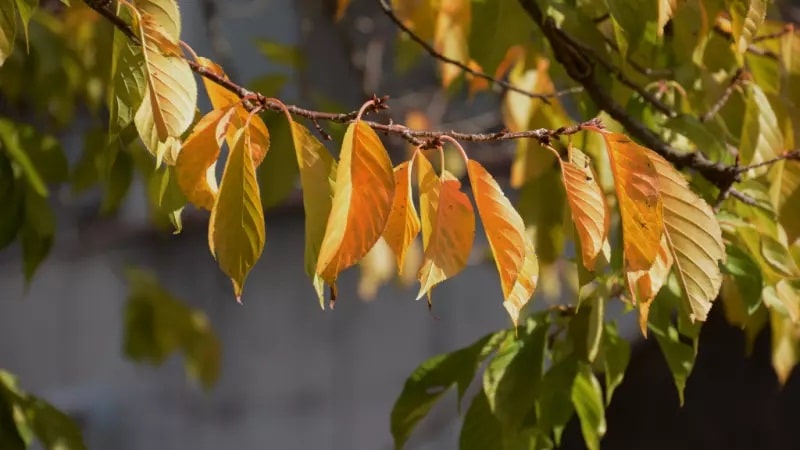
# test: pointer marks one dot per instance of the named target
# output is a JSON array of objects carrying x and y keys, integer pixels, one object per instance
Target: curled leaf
[{"x": 645, "y": 284}]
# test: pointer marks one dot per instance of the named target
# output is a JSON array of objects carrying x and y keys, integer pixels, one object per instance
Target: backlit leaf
[
  {"x": 451, "y": 238},
  {"x": 165, "y": 13},
  {"x": 587, "y": 396},
  {"x": 761, "y": 137},
  {"x": 588, "y": 205},
  {"x": 317, "y": 176},
  {"x": 666, "y": 8},
  {"x": 362, "y": 201},
  {"x": 694, "y": 238},
  {"x": 171, "y": 97},
  {"x": 645, "y": 284},
  {"x": 429, "y": 186},
  {"x": 616, "y": 355},
  {"x": 128, "y": 79},
  {"x": 196, "y": 165},
  {"x": 221, "y": 97},
  {"x": 508, "y": 241},
  {"x": 785, "y": 349},
  {"x": 236, "y": 231},
  {"x": 640, "y": 203},
  {"x": 8, "y": 30},
  {"x": 451, "y": 36},
  {"x": 403, "y": 224},
  {"x": 746, "y": 17}
]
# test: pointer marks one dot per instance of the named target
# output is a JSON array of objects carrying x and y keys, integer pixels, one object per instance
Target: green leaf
[
  {"x": 743, "y": 298},
  {"x": 587, "y": 397},
  {"x": 157, "y": 324},
  {"x": 761, "y": 137},
  {"x": 128, "y": 79},
  {"x": 554, "y": 406},
  {"x": 481, "y": 430},
  {"x": 594, "y": 334},
  {"x": 37, "y": 233},
  {"x": 777, "y": 255},
  {"x": 12, "y": 202},
  {"x": 433, "y": 378},
  {"x": 277, "y": 176},
  {"x": 118, "y": 184},
  {"x": 634, "y": 18},
  {"x": 511, "y": 378},
  {"x": 746, "y": 17},
  {"x": 486, "y": 45},
  {"x": 8, "y": 30},
  {"x": 10, "y": 139},
  {"x": 616, "y": 355},
  {"x": 22, "y": 414},
  {"x": 26, "y": 9}
]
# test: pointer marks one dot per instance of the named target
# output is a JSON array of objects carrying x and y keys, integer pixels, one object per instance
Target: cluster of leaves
[{"x": 707, "y": 76}]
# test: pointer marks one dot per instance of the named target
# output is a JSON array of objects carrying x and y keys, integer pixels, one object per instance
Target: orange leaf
[
  {"x": 645, "y": 284},
  {"x": 403, "y": 224},
  {"x": 588, "y": 206},
  {"x": 429, "y": 185},
  {"x": 510, "y": 245},
  {"x": 362, "y": 201},
  {"x": 451, "y": 238},
  {"x": 236, "y": 231},
  {"x": 640, "y": 203},
  {"x": 197, "y": 160},
  {"x": 221, "y": 97}
]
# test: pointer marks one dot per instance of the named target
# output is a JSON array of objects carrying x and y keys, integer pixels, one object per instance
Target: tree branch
[
  {"x": 738, "y": 78},
  {"x": 793, "y": 155}
]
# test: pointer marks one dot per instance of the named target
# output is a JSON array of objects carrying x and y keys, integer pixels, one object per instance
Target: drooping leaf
[
  {"x": 12, "y": 202},
  {"x": 128, "y": 79},
  {"x": 508, "y": 241},
  {"x": 236, "y": 231},
  {"x": 221, "y": 98},
  {"x": 37, "y": 232},
  {"x": 587, "y": 396},
  {"x": 169, "y": 102},
  {"x": 640, "y": 203},
  {"x": 317, "y": 176},
  {"x": 403, "y": 224},
  {"x": 451, "y": 37},
  {"x": 785, "y": 350},
  {"x": 429, "y": 187},
  {"x": 451, "y": 238},
  {"x": 761, "y": 138},
  {"x": 8, "y": 30},
  {"x": 588, "y": 206},
  {"x": 616, "y": 354},
  {"x": 433, "y": 378},
  {"x": 645, "y": 284},
  {"x": 741, "y": 287},
  {"x": 694, "y": 238},
  {"x": 362, "y": 201},
  {"x": 481, "y": 429},
  {"x": 554, "y": 406},
  {"x": 166, "y": 14},
  {"x": 196, "y": 164}
]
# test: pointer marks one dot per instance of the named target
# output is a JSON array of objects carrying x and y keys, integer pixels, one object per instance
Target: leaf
[
  {"x": 37, "y": 233},
  {"x": 197, "y": 161},
  {"x": 784, "y": 297},
  {"x": 451, "y": 238},
  {"x": 236, "y": 231},
  {"x": 12, "y": 202},
  {"x": 170, "y": 100},
  {"x": 452, "y": 35},
  {"x": 429, "y": 185},
  {"x": 587, "y": 396},
  {"x": 588, "y": 205},
  {"x": 785, "y": 353},
  {"x": 128, "y": 79},
  {"x": 640, "y": 203},
  {"x": 645, "y": 284},
  {"x": 403, "y": 223},
  {"x": 554, "y": 406},
  {"x": 158, "y": 324},
  {"x": 362, "y": 201},
  {"x": 694, "y": 238},
  {"x": 761, "y": 138},
  {"x": 666, "y": 8},
  {"x": 741, "y": 287},
  {"x": 377, "y": 268},
  {"x": 746, "y": 17},
  {"x": 221, "y": 98},
  {"x": 317, "y": 177},
  {"x": 616, "y": 355},
  {"x": 278, "y": 176},
  {"x": 26, "y": 9},
  {"x": 8, "y": 31},
  {"x": 166, "y": 14},
  {"x": 433, "y": 378},
  {"x": 777, "y": 256},
  {"x": 511, "y": 247},
  {"x": 166, "y": 198}
]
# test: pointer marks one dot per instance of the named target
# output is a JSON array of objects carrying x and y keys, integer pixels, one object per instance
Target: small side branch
[
  {"x": 738, "y": 78},
  {"x": 793, "y": 155}
]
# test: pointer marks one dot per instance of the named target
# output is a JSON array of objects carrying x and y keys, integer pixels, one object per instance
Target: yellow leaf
[
  {"x": 403, "y": 224},
  {"x": 362, "y": 201},
  {"x": 666, "y": 8},
  {"x": 171, "y": 96},
  {"x": 197, "y": 161},
  {"x": 451, "y": 36},
  {"x": 221, "y": 98},
  {"x": 645, "y": 284},
  {"x": 317, "y": 174},
  {"x": 164, "y": 12},
  {"x": 640, "y": 204},
  {"x": 8, "y": 31},
  {"x": 451, "y": 238},
  {"x": 694, "y": 238},
  {"x": 588, "y": 206},
  {"x": 236, "y": 233},
  {"x": 508, "y": 241},
  {"x": 429, "y": 185},
  {"x": 518, "y": 109},
  {"x": 418, "y": 15}
]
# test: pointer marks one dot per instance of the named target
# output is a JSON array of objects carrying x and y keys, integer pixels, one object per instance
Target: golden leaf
[
  {"x": 403, "y": 224},
  {"x": 171, "y": 96},
  {"x": 640, "y": 204},
  {"x": 645, "y": 284},
  {"x": 451, "y": 237},
  {"x": 588, "y": 205},
  {"x": 221, "y": 98},
  {"x": 452, "y": 35},
  {"x": 197, "y": 161},
  {"x": 317, "y": 174},
  {"x": 236, "y": 231},
  {"x": 166, "y": 13},
  {"x": 362, "y": 201},
  {"x": 508, "y": 241},
  {"x": 694, "y": 238}
]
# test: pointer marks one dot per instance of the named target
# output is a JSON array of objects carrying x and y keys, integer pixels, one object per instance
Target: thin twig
[
  {"x": 790, "y": 155},
  {"x": 750, "y": 48},
  {"x": 387, "y": 9},
  {"x": 738, "y": 78},
  {"x": 789, "y": 28}
]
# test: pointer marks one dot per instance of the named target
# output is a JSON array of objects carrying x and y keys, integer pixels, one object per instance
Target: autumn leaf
[
  {"x": 451, "y": 237},
  {"x": 8, "y": 32},
  {"x": 429, "y": 184},
  {"x": 362, "y": 201},
  {"x": 236, "y": 231},
  {"x": 640, "y": 204},
  {"x": 403, "y": 224},
  {"x": 511, "y": 247},
  {"x": 166, "y": 13},
  {"x": 169, "y": 102},
  {"x": 694, "y": 238},
  {"x": 588, "y": 205},
  {"x": 645, "y": 284},
  {"x": 221, "y": 98},
  {"x": 451, "y": 36},
  {"x": 196, "y": 165},
  {"x": 317, "y": 175}
]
